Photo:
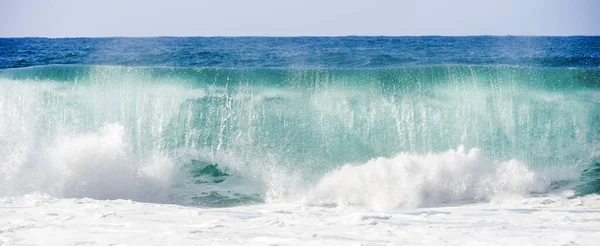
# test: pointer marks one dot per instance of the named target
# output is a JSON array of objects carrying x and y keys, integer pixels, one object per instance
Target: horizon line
[{"x": 291, "y": 36}]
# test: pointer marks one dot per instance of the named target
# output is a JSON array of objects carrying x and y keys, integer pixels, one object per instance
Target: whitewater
[{"x": 391, "y": 152}]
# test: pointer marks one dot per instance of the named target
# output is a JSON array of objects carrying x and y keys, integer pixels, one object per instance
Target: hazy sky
[{"x": 92, "y": 18}]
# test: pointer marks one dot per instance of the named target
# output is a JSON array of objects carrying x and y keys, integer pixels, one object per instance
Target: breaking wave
[{"x": 382, "y": 138}]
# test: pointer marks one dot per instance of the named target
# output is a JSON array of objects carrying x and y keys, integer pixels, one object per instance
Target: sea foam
[
  {"x": 98, "y": 165},
  {"x": 409, "y": 180}
]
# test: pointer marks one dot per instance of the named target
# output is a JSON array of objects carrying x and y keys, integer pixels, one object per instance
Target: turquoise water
[{"x": 230, "y": 135}]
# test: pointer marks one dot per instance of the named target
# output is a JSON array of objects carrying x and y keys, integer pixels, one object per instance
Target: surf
[{"x": 224, "y": 136}]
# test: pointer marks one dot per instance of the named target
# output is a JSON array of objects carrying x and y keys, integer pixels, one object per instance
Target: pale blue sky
[{"x": 94, "y": 18}]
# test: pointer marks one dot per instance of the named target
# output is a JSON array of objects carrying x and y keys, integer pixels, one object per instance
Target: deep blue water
[{"x": 311, "y": 52}]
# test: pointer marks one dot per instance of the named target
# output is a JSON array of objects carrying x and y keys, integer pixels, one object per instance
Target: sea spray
[{"x": 144, "y": 133}]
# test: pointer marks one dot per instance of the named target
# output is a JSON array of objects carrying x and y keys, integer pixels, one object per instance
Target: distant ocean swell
[{"x": 384, "y": 137}]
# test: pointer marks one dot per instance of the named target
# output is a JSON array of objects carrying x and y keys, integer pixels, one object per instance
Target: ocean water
[{"x": 380, "y": 122}]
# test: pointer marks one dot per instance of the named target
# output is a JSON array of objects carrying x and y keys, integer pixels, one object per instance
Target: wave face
[{"x": 218, "y": 137}]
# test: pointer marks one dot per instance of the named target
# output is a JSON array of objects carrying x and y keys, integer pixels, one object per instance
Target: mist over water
[{"x": 333, "y": 126}]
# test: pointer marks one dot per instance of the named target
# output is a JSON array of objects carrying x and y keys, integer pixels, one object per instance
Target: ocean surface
[{"x": 376, "y": 122}]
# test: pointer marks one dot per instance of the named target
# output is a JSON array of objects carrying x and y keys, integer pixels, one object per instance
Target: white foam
[
  {"x": 409, "y": 180},
  {"x": 98, "y": 165},
  {"x": 43, "y": 220}
]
